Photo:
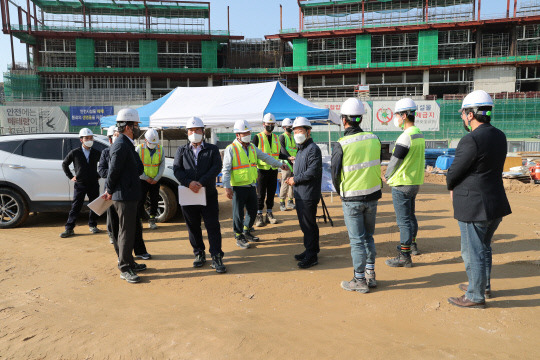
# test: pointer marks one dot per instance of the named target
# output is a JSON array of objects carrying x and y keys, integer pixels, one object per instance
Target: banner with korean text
[{"x": 428, "y": 116}]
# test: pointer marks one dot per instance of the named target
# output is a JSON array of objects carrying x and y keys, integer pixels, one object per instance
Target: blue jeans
[
  {"x": 476, "y": 253},
  {"x": 404, "y": 206},
  {"x": 360, "y": 219}
]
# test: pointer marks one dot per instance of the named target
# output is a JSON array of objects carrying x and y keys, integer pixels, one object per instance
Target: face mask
[
  {"x": 151, "y": 146},
  {"x": 466, "y": 127},
  {"x": 396, "y": 122},
  {"x": 288, "y": 130},
  {"x": 114, "y": 138},
  {"x": 195, "y": 138},
  {"x": 88, "y": 143},
  {"x": 269, "y": 128},
  {"x": 299, "y": 138},
  {"x": 136, "y": 132},
  {"x": 246, "y": 139}
]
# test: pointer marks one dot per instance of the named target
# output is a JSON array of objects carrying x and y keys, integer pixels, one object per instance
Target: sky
[{"x": 249, "y": 18}]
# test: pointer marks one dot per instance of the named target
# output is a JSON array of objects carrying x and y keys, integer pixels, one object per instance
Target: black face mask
[
  {"x": 136, "y": 132},
  {"x": 288, "y": 129},
  {"x": 269, "y": 128}
]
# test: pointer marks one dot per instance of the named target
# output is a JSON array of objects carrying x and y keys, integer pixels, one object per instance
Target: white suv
[{"x": 32, "y": 179}]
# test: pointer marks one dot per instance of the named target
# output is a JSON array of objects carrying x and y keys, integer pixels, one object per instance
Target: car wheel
[
  {"x": 13, "y": 208},
  {"x": 167, "y": 205}
]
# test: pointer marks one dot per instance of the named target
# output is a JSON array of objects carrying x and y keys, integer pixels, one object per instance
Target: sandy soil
[{"x": 63, "y": 298}]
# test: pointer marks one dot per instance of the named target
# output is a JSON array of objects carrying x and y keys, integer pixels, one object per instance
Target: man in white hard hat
[
  {"x": 103, "y": 171},
  {"x": 307, "y": 179},
  {"x": 288, "y": 150},
  {"x": 151, "y": 154},
  {"x": 196, "y": 166},
  {"x": 84, "y": 160},
  {"x": 405, "y": 174},
  {"x": 356, "y": 175},
  {"x": 479, "y": 199},
  {"x": 124, "y": 188},
  {"x": 240, "y": 179},
  {"x": 268, "y": 143}
]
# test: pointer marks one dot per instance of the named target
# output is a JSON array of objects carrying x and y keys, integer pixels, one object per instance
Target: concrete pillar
[
  {"x": 425, "y": 90},
  {"x": 211, "y": 81},
  {"x": 363, "y": 80},
  {"x": 301, "y": 85},
  {"x": 148, "y": 89}
]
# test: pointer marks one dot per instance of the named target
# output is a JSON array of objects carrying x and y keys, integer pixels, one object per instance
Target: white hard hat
[
  {"x": 126, "y": 115},
  {"x": 476, "y": 99},
  {"x": 241, "y": 126},
  {"x": 152, "y": 136},
  {"x": 301, "y": 121},
  {"x": 111, "y": 130},
  {"x": 194, "y": 122},
  {"x": 405, "y": 105},
  {"x": 352, "y": 107},
  {"x": 286, "y": 122},
  {"x": 269, "y": 118},
  {"x": 85, "y": 132}
]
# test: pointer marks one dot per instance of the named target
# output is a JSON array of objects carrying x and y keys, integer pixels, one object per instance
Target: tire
[
  {"x": 167, "y": 205},
  {"x": 13, "y": 209}
]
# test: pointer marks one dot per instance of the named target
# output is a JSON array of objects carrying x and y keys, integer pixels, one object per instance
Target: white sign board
[
  {"x": 336, "y": 107},
  {"x": 427, "y": 116},
  {"x": 30, "y": 120}
]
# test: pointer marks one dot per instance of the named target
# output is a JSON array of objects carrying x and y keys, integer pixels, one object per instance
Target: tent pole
[{"x": 330, "y": 153}]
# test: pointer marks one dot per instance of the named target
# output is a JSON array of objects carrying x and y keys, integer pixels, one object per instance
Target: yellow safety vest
[
  {"x": 270, "y": 150},
  {"x": 244, "y": 168},
  {"x": 151, "y": 163},
  {"x": 290, "y": 144}
]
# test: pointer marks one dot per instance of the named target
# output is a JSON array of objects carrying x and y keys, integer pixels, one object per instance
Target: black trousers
[
  {"x": 127, "y": 223},
  {"x": 244, "y": 197},
  {"x": 307, "y": 217},
  {"x": 79, "y": 193},
  {"x": 112, "y": 226},
  {"x": 210, "y": 216},
  {"x": 266, "y": 188},
  {"x": 153, "y": 191},
  {"x": 139, "y": 248}
]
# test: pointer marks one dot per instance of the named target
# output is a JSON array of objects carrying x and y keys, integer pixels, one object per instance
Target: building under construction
[{"x": 117, "y": 51}]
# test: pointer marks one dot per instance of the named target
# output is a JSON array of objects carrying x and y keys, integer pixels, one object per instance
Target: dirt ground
[{"x": 63, "y": 298}]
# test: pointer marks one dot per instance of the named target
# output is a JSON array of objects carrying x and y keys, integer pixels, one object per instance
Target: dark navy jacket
[
  {"x": 207, "y": 169},
  {"x": 85, "y": 171},
  {"x": 308, "y": 171},
  {"x": 103, "y": 165},
  {"x": 125, "y": 167}
]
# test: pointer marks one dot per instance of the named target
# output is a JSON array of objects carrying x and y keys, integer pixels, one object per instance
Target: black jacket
[
  {"x": 308, "y": 171},
  {"x": 337, "y": 161},
  {"x": 103, "y": 165},
  {"x": 125, "y": 167},
  {"x": 207, "y": 169},
  {"x": 475, "y": 176},
  {"x": 85, "y": 171}
]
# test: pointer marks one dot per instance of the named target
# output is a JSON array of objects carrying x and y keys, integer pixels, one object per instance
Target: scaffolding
[
  {"x": 528, "y": 78},
  {"x": 179, "y": 54},
  {"x": 528, "y": 40},
  {"x": 394, "y": 47},
  {"x": 322, "y": 14},
  {"x": 116, "y": 53},
  {"x": 456, "y": 44},
  {"x": 331, "y": 51},
  {"x": 57, "y": 52},
  {"x": 495, "y": 44},
  {"x": 254, "y": 53},
  {"x": 528, "y": 8}
]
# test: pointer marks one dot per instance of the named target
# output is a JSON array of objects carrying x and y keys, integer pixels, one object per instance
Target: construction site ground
[{"x": 63, "y": 298}]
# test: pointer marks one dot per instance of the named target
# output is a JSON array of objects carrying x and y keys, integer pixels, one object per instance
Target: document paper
[{"x": 187, "y": 197}]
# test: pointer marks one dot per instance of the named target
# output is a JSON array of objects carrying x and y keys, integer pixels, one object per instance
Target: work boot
[
  {"x": 414, "y": 248},
  {"x": 130, "y": 276},
  {"x": 290, "y": 205},
  {"x": 355, "y": 284},
  {"x": 463, "y": 302},
  {"x": 370, "y": 278},
  {"x": 152, "y": 223},
  {"x": 67, "y": 233},
  {"x": 300, "y": 256},
  {"x": 270, "y": 219},
  {"x": 200, "y": 260},
  {"x": 282, "y": 206},
  {"x": 217, "y": 263},
  {"x": 138, "y": 267},
  {"x": 401, "y": 260},
  {"x": 242, "y": 242},
  {"x": 259, "y": 221},
  {"x": 94, "y": 229},
  {"x": 249, "y": 237},
  {"x": 308, "y": 262}
]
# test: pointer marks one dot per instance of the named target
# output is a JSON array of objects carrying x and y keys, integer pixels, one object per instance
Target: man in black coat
[
  {"x": 479, "y": 199},
  {"x": 124, "y": 188},
  {"x": 84, "y": 160},
  {"x": 196, "y": 165},
  {"x": 307, "y": 190},
  {"x": 103, "y": 171}
]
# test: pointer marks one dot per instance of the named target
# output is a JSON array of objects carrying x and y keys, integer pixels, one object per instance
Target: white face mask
[
  {"x": 114, "y": 138},
  {"x": 300, "y": 138},
  {"x": 88, "y": 143},
  {"x": 246, "y": 139},
  {"x": 195, "y": 138},
  {"x": 151, "y": 146},
  {"x": 396, "y": 122}
]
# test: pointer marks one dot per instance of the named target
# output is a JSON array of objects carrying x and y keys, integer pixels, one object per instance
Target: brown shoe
[
  {"x": 463, "y": 302},
  {"x": 463, "y": 287}
]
